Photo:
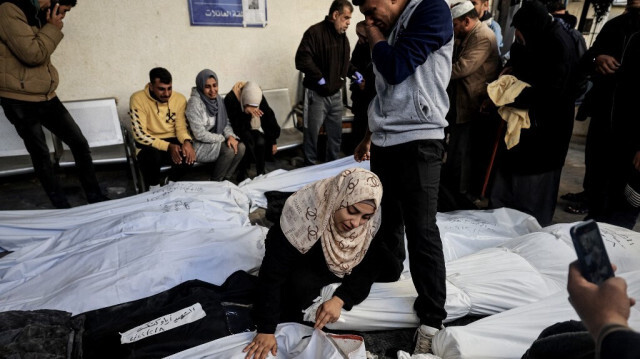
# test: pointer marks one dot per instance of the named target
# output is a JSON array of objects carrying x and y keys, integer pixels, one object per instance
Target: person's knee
[
  {"x": 149, "y": 157},
  {"x": 78, "y": 143},
  {"x": 393, "y": 268},
  {"x": 41, "y": 158},
  {"x": 241, "y": 149}
]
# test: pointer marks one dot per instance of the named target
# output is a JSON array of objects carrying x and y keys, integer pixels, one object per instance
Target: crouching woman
[{"x": 324, "y": 236}]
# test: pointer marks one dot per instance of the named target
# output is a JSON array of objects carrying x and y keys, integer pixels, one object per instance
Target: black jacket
[
  {"x": 282, "y": 261},
  {"x": 241, "y": 121},
  {"x": 621, "y": 345},
  {"x": 613, "y": 99},
  {"x": 324, "y": 53}
]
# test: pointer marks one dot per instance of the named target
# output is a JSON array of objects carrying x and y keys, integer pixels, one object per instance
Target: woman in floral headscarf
[{"x": 323, "y": 237}]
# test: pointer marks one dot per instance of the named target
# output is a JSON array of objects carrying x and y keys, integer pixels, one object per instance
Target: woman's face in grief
[
  {"x": 211, "y": 88},
  {"x": 353, "y": 216}
]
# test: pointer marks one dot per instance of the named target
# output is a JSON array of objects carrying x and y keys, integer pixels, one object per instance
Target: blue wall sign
[{"x": 218, "y": 13}]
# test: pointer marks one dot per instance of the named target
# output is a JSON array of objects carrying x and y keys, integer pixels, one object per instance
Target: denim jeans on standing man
[{"x": 327, "y": 111}]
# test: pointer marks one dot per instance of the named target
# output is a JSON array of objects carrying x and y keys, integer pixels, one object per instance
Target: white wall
[{"x": 110, "y": 46}]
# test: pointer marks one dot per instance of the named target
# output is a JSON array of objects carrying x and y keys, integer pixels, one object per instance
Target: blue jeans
[
  {"x": 410, "y": 176},
  {"x": 321, "y": 110},
  {"x": 29, "y": 118}
]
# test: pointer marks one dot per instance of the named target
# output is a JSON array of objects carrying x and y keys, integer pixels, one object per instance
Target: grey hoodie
[{"x": 415, "y": 108}]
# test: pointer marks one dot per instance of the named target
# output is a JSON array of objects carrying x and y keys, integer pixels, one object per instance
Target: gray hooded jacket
[{"x": 412, "y": 103}]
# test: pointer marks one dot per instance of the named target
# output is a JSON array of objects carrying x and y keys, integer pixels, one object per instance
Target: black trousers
[
  {"x": 410, "y": 175},
  {"x": 457, "y": 170},
  {"x": 535, "y": 194},
  {"x": 152, "y": 159},
  {"x": 29, "y": 118},
  {"x": 255, "y": 151},
  {"x": 608, "y": 169}
]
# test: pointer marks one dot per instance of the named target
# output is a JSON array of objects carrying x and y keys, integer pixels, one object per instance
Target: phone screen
[{"x": 592, "y": 254}]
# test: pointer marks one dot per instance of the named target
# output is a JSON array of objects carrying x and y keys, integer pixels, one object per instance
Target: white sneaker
[{"x": 424, "y": 336}]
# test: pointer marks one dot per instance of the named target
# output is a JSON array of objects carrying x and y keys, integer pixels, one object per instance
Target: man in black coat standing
[
  {"x": 323, "y": 57},
  {"x": 612, "y": 154}
]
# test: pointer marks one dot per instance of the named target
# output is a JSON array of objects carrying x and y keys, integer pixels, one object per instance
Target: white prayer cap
[{"x": 461, "y": 8}]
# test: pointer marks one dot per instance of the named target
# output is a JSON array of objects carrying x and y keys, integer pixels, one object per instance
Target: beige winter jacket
[
  {"x": 475, "y": 63},
  {"x": 26, "y": 72}
]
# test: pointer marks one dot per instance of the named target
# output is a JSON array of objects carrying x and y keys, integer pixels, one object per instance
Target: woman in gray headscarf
[{"x": 214, "y": 140}]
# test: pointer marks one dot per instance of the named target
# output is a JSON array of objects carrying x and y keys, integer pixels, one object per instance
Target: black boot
[
  {"x": 59, "y": 200},
  {"x": 96, "y": 197}
]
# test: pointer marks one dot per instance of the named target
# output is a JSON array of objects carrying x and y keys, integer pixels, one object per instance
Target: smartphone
[
  {"x": 53, "y": 6},
  {"x": 592, "y": 255}
]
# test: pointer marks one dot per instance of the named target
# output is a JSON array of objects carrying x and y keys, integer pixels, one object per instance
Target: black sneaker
[{"x": 97, "y": 197}]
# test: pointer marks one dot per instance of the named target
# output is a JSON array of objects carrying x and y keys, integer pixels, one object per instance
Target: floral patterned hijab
[{"x": 308, "y": 216}]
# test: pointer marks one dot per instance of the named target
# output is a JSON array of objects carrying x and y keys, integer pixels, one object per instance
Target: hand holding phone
[
  {"x": 54, "y": 16},
  {"x": 592, "y": 255}
]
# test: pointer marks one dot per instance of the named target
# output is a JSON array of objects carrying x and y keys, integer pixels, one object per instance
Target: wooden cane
[{"x": 493, "y": 157}]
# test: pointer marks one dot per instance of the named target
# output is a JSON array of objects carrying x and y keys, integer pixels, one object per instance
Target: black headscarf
[{"x": 532, "y": 20}]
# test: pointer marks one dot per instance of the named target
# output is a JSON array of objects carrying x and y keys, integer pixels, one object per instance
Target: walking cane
[{"x": 493, "y": 157}]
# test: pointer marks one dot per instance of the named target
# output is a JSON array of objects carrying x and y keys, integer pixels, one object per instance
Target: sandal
[{"x": 577, "y": 208}]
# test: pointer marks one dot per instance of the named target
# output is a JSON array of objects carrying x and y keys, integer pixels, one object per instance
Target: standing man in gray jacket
[
  {"x": 411, "y": 43},
  {"x": 323, "y": 57}
]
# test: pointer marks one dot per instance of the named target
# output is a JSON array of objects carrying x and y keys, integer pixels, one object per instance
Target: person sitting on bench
[
  {"x": 214, "y": 138},
  {"x": 254, "y": 121},
  {"x": 160, "y": 128}
]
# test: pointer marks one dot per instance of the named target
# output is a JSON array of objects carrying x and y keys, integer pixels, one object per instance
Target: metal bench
[
  {"x": 99, "y": 122},
  {"x": 280, "y": 103},
  {"x": 98, "y": 119}
]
